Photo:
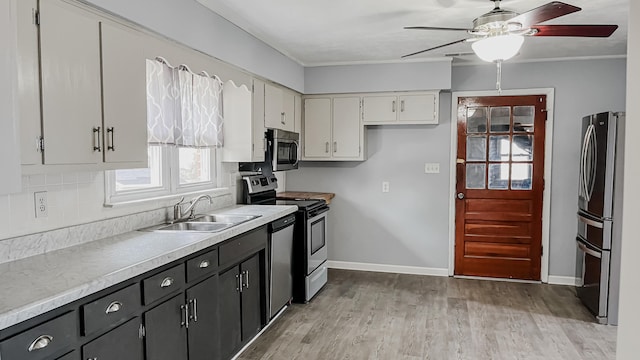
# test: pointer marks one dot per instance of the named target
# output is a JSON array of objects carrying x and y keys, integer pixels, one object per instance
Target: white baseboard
[
  {"x": 564, "y": 280},
  {"x": 397, "y": 269}
]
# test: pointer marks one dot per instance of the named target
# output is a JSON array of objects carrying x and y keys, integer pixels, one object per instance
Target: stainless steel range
[{"x": 309, "y": 260}]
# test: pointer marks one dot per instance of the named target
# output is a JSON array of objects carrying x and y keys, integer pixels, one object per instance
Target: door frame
[{"x": 548, "y": 151}]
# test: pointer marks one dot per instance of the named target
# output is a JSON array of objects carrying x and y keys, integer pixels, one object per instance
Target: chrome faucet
[{"x": 189, "y": 212}]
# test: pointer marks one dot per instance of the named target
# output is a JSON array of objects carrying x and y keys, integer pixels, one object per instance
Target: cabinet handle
[
  {"x": 96, "y": 139},
  {"x": 402, "y": 106},
  {"x": 195, "y": 310},
  {"x": 204, "y": 264},
  {"x": 166, "y": 282},
  {"x": 40, "y": 343},
  {"x": 113, "y": 307},
  {"x": 184, "y": 316},
  {"x": 246, "y": 283},
  {"x": 111, "y": 146},
  {"x": 393, "y": 106},
  {"x": 239, "y": 282},
  {"x": 142, "y": 332},
  {"x": 335, "y": 146},
  {"x": 283, "y": 118},
  {"x": 326, "y": 147}
]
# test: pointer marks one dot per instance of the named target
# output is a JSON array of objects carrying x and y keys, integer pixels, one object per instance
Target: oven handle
[{"x": 588, "y": 251}]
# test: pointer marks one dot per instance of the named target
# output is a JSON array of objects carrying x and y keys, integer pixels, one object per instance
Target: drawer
[
  {"x": 202, "y": 265},
  {"x": 111, "y": 309},
  {"x": 43, "y": 340},
  {"x": 162, "y": 284},
  {"x": 235, "y": 249}
]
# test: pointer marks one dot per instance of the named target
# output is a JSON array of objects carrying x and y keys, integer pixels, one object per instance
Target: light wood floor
[{"x": 363, "y": 315}]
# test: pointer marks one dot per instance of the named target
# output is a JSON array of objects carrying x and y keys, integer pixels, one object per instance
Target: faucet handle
[{"x": 181, "y": 201}]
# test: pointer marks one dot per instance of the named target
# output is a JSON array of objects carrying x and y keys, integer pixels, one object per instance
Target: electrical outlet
[
  {"x": 432, "y": 168},
  {"x": 385, "y": 186},
  {"x": 42, "y": 209}
]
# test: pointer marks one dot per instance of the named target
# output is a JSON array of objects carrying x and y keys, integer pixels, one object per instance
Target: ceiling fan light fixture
[{"x": 498, "y": 48}]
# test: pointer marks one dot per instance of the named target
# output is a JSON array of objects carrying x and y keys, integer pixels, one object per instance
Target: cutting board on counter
[{"x": 306, "y": 195}]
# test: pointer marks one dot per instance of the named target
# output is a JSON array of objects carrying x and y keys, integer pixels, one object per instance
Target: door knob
[{"x": 460, "y": 196}]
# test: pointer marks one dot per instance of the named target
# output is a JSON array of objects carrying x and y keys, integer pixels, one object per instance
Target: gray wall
[
  {"x": 409, "y": 225},
  {"x": 194, "y": 25}
]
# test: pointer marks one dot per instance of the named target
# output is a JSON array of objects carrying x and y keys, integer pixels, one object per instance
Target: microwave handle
[{"x": 294, "y": 154}]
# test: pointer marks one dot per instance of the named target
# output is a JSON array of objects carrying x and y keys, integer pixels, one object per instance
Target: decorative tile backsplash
[{"x": 76, "y": 212}]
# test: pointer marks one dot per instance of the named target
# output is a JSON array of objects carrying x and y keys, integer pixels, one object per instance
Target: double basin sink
[{"x": 206, "y": 223}]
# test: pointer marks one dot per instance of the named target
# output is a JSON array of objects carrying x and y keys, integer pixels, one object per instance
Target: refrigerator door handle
[
  {"x": 583, "y": 164},
  {"x": 590, "y": 222},
  {"x": 588, "y": 251},
  {"x": 593, "y": 142}
]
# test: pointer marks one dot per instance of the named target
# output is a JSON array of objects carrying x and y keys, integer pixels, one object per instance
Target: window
[{"x": 184, "y": 123}]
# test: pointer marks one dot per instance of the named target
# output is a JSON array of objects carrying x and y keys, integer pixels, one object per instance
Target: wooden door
[
  {"x": 317, "y": 128},
  {"x": 346, "y": 127},
  {"x": 204, "y": 342},
  {"x": 500, "y": 183}
]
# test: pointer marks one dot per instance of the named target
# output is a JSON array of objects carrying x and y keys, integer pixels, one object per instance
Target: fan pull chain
[{"x": 499, "y": 80}]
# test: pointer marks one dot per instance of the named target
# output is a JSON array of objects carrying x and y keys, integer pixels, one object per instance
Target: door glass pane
[
  {"x": 476, "y": 120},
  {"x": 522, "y": 148},
  {"x": 523, "y": 117},
  {"x": 501, "y": 119},
  {"x": 499, "y": 148},
  {"x": 476, "y": 176},
  {"x": 476, "y": 148},
  {"x": 521, "y": 175},
  {"x": 499, "y": 176}
]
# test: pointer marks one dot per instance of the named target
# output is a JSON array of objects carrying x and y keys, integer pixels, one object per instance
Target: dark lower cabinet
[
  {"x": 70, "y": 356},
  {"x": 240, "y": 305},
  {"x": 122, "y": 343},
  {"x": 166, "y": 335},
  {"x": 203, "y": 332}
]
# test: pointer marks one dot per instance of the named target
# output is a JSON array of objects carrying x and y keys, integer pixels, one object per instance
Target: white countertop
[{"x": 35, "y": 285}]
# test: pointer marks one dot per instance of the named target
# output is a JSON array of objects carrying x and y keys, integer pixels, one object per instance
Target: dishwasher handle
[{"x": 282, "y": 223}]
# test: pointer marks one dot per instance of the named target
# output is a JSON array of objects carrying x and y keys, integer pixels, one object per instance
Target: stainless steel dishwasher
[{"x": 280, "y": 256}]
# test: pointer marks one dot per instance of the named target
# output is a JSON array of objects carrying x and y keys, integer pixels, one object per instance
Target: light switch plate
[
  {"x": 42, "y": 208},
  {"x": 385, "y": 186},
  {"x": 432, "y": 168}
]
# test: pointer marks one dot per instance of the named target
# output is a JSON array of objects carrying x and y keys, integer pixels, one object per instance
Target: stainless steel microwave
[{"x": 284, "y": 149}]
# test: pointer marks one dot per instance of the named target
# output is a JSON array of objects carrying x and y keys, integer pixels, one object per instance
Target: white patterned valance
[{"x": 184, "y": 108}]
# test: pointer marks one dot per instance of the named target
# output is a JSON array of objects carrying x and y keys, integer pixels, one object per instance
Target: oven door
[
  {"x": 285, "y": 154},
  {"x": 316, "y": 240}
]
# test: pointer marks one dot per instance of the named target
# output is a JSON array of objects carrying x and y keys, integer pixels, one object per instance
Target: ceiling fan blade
[
  {"x": 433, "y": 48},
  {"x": 434, "y": 28},
  {"x": 543, "y": 13},
  {"x": 575, "y": 30}
]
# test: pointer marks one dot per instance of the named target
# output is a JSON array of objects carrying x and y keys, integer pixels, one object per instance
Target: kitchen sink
[
  {"x": 224, "y": 218},
  {"x": 196, "y": 226}
]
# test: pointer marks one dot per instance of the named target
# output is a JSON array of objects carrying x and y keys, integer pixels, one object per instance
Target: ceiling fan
[{"x": 499, "y": 34}]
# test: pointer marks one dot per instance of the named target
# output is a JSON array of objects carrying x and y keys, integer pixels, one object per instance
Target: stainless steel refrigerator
[{"x": 600, "y": 214}]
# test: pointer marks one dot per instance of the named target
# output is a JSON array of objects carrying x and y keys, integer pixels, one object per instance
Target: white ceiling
[{"x": 329, "y": 32}]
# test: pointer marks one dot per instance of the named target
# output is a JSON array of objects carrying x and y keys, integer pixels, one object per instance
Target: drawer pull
[
  {"x": 41, "y": 342},
  {"x": 204, "y": 264},
  {"x": 113, "y": 307},
  {"x": 166, "y": 282}
]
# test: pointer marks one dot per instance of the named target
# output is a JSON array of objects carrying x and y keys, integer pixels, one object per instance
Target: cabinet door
[
  {"x": 122, "y": 343},
  {"x": 229, "y": 307},
  {"x": 346, "y": 127},
  {"x": 298, "y": 122},
  {"x": 378, "y": 109},
  {"x": 317, "y": 128},
  {"x": 289, "y": 110},
  {"x": 28, "y": 83},
  {"x": 124, "y": 96},
  {"x": 166, "y": 336},
  {"x": 259, "y": 140},
  {"x": 418, "y": 108},
  {"x": 251, "y": 305},
  {"x": 273, "y": 112},
  {"x": 203, "y": 330},
  {"x": 71, "y": 94},
  {"x": 238, "y": 123}
]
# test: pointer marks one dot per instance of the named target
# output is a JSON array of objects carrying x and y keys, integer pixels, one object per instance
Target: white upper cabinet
[
  {"x": 243, "y": 140},
  {"x": 71, "y": 87},
  {"x": 332, "y": 129},
  {"x": 406, "y": 108},
  {"x": 124, "y": 95},
  {"x": 279, "y": 108}
]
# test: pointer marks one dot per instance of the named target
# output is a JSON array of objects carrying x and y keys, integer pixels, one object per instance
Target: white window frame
[{"x": 170, "y": 174}]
